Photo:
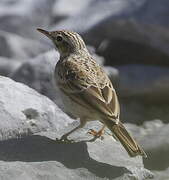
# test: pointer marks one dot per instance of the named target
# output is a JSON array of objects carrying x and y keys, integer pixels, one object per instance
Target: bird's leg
[
  {"x": 97, "y": 134},
  {"x": 64, "y": 137}
]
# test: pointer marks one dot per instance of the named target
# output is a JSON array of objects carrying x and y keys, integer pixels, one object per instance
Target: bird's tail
[{"x": 126, "y": 139}]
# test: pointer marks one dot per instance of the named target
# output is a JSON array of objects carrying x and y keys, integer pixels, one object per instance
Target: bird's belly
[{"x": 76, "y": 110}]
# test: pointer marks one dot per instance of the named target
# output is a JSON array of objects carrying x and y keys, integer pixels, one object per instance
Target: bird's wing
[{"x": 92, "y": 91}]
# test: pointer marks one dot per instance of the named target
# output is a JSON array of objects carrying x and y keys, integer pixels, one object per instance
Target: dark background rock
[
  {"x": 143, "y": 92},
  {"x": 134, "y": 31},
  {"x": 128, "y": 41}
]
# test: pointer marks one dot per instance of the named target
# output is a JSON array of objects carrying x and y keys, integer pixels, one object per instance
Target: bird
[{"x": 86, "y": 90}]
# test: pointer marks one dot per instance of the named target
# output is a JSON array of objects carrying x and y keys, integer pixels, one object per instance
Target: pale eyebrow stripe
[{"x": 76, "y": 39}]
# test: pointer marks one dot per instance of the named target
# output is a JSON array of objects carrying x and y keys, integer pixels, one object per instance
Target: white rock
[
  {"x": 161, "y": 175},
  {"x": 94, "y": 12},
  {"x": 68, "y": 8},
  {"x": 23, "y": 16},
  {"x": 17, "y": 47},
  {"x": 8, "y": 66},
  {"x": 153, "y": 136},
  {"x": 38, "y": 73},
  {"x": 42, "y": 157},
  {"x": 24, "y": 111}
]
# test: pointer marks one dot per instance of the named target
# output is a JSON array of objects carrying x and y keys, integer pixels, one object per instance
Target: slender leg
[
  {"x": 97, "y": 134},
  {"x": 64, "y": 137}
]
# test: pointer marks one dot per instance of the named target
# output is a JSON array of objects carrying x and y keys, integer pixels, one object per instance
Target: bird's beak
[{"x": 46, "y": 33}]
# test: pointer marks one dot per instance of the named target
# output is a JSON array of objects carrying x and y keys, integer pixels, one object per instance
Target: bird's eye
[{"x": 59, "y": 38}]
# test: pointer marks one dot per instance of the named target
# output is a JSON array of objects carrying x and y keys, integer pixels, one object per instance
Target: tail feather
[{"x": 126, "y": 140}]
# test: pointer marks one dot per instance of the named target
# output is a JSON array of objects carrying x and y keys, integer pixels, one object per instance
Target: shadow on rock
[
  {"x": 157, "y": 159},
  {"x": 40, "y": 148}
]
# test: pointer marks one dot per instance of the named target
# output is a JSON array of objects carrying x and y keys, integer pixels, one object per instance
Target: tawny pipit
[{"x": 86, "y": 90}]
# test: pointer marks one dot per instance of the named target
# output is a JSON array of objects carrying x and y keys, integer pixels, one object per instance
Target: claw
[
  {"x": 65, "y": 140},
  {"x": 96, "y": 134}
]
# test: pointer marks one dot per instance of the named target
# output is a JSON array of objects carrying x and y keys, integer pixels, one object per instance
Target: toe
[
  {"x": 64, "y": 139},
  {"x": 92, "y": 132}
]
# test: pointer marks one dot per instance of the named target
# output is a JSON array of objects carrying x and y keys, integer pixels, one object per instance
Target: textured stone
[
  {"x": 143, "y": 92},
  {"x": 8, "y": 66},
  {"x": 24, "y": 111},
  {"x": 147, "y": 83},
  {"x": 38, "y": 74},
  {"x": 17, "y": 47},
  {"x": 124, "y": 32},
  {"x": 153, "y": 136},
  {"x": 42, "y": 157},
  {"x": 23, "y": 16}
]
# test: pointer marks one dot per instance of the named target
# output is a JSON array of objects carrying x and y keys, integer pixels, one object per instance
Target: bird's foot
[
  {"x": 64, "y": 139},
  {"x": 96, "y": 134}
]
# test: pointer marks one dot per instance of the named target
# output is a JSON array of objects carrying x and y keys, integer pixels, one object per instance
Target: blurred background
[{"x": 129, "y": 38}]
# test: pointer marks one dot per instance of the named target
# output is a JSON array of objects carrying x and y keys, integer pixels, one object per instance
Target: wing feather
[
  {"x": 102, "y": 100},
  {"x": 90, "y": 89}
]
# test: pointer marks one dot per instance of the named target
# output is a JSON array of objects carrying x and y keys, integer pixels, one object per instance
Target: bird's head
[{"x": 66, "y": 42}]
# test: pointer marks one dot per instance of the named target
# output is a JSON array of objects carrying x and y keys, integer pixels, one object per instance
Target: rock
[
  {"x": 8, "y": 66},
  {"x": 41, "y": 156},
  {"x": 24, "y": 111},
  {"x": 147, "y": 83},
  {"x": 161, "y": 175},
  {"x": 156, "y": 144},
  {"x": 124, "y": 32},
  {"x": 153, "y": 136},
  {"x": 38, "y": 74},
  {"x": 139, "y": 36},
  {"x": 23, "y": 17},
  {"x": 17, "y": 47},
  {"x": 137, "y": 112},
  {"x": 87, "y": 17},
  {"x": 65, "y": 8},
  {"x": 130, "y": 42},
  {"x": 143, "y": 92}
]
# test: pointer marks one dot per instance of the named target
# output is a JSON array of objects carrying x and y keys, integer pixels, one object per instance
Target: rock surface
[
  {"x": 153, "y": 136},
  {"x": 143, "y": 92},
  {"x": 38, "y": 74},
  {"x": 17, "y": 47},
  {"x": 23, "y": 16},
  {"x": 42, "y": 157},
  {"x": 128, "y": 32},
  {"x": 24, "y": 111},
  {"x": 161, "y": 175},
  {"x": 8, "y": 66},
  {"x": 148, "y": 83}
]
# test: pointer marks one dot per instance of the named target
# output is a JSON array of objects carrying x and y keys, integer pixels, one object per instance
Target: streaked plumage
[{"x": 86, "y": 89}]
